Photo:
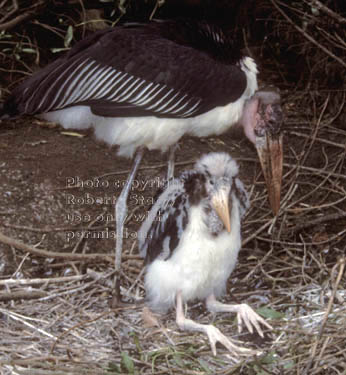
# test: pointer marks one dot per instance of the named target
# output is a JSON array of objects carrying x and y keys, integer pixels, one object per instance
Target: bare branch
[{"x": 306, "y": 35}]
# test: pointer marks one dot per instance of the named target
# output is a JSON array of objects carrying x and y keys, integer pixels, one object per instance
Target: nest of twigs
[{"x": 57, "y": 308}]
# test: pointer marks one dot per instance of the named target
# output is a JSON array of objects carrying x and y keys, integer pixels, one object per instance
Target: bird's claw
[
  {"x": 215, "y": 335},
  {"x": 251, "y": 319}
]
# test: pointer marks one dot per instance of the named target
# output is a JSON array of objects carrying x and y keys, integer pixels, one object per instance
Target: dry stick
[
  {"x": 39, "y": 360},
  {"x": 14, "y": 282},
  {"x": 50, "y": 254},
  {"x": 315, "y": 130},
  {"x": 40, "y": 294},
  {"x": 24, "y": 320},
  {"x": 303, "y": 168},
  {"x": 307, "y": 36},
  {"x": 47, "y": 229},
  {"x": 81, "y": 324},
  {"x": 320, "y": 220},
  {"x": 84, "y": 232},
  {"x": 309, "y": 208},
  {"x": 258, "y": 265},
  {"x": 22, "y": 295},
  {"x": 9, "y": 13},
  {"x": 258, "y": 231},
  {"x": 340, "y": 263},
  {"x": 145, "y": 167},
  {"x": 36, "y": 365},
  {"x": 73, "y": 289},
  {"x": 302, "y": 161},
  {"x": 330, "y": 13},
  {"x": 311, "y": 193},
  {"x": 337, "y": 237},
  {"x": 22, "y": 17},
  {"x": 323, "y": 349},
  {"x": 339, "y": 145},
  {"x": 29, "y": 12},
  {"x": 319, "y": 171}
]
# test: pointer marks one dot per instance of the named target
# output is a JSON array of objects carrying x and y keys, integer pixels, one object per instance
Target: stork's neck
[{"x": 249, "y": 67}]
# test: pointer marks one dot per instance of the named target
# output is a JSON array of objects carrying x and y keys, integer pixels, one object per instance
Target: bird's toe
[
  {"x": 215, "y": 335},
  {"x": 251, "y": 319}
]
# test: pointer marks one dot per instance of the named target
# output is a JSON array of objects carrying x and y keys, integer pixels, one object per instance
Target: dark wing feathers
[
  {"x": 242, "y": 195},
  {"x": 160, "y": 234},
  {"x": 136, "y": 70},
  {"x": 166, "y": 235}
]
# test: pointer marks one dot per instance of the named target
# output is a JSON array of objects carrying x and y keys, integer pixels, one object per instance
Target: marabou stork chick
[
  {"x": 190, "y": 241},
  {"x": 145, "y": 85}
]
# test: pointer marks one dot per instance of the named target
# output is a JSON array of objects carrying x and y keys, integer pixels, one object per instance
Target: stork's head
[
  {"x": 262, "y": 120},
  {"x": 221, "y": 181}
]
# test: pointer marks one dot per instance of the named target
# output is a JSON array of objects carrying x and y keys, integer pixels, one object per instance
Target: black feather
[
  {"x": 174, "y": 217},
  {"x": 192, "y": 58}
]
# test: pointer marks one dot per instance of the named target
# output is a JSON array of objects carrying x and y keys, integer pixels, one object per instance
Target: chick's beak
[
  {"x": 220, "y": 203},
  {"x": 270, "y": 153}
]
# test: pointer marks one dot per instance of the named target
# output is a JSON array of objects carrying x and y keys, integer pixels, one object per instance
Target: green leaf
[
  {"x": 128, "y": 363},
  {"x": 73, "y": 134},
  {"x": 270, "y": 358},
  {"x": 260, "y": 371},
  {"x": 289, "y": 365},
  {"x": 136, "y": 341},
  {"x": 3, "y": 35},
  {"x": 113, "y": 368},
  {"x": 56, "y": 50},
  {"x": 266, "y": 312},
  {"x": 68, "y": 37},
  {"x": 204, "y": 365},
  {"x": 28, "y": 50},
  {"x": 178, "y": 360}
]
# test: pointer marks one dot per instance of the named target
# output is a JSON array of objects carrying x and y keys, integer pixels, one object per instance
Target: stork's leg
[
  {"x": 171, "y": 157},
  {"x": 245, "y": 314},
  {"x": 213, "y": 333},
  {"x": 121, "y": 208}
]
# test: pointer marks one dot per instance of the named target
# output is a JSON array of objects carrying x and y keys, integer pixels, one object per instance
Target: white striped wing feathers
[{"x": 86, "y": 80}]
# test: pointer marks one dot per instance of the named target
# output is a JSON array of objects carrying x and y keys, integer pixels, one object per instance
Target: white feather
[
  {"x": 200, "y": 265},
  {"x": 153, "y": 132},
  {"x": 218, "y": 164}
]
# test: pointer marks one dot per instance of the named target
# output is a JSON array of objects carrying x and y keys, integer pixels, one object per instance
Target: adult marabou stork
[
  {"x": 190, "y": 241},
  {"x": 146, "y": 85}
]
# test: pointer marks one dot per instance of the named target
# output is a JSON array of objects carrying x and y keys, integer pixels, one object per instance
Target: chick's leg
[
  {"x": 171, "y": 160},
  {"x": 245, "y": 314},
  {"x": 213, "y": 333}
]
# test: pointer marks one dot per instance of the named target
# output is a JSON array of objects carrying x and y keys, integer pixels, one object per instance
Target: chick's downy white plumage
[
  {"x": 191, "y": 241},
  {"x": 189, "y": 249}
]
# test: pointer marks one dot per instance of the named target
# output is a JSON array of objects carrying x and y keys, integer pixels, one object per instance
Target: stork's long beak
[
  {"x": 220, "y": 203},
  {"x": 269, "y": 149}
]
